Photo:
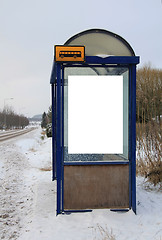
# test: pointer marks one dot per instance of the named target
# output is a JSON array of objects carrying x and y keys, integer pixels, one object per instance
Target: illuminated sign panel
[{"x": 69, "y": 53}]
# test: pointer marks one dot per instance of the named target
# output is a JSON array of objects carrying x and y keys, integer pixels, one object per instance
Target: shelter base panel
[{"x": 96, "y": 186}]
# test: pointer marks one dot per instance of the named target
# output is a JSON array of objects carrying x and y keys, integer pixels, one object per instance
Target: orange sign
[{"x": 69, "y": 53}]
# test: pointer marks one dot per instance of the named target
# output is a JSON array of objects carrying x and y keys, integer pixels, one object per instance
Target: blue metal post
[
  {"x": 55, "y": 112},
  {"x": 62, "y": 139},
  {"x": 58, "y": 139},
  {"x": 53, "y": 134},
  {"x": 53, "y": 82},
  {"x": 130, "y": 137},
  {"x": 133, "y": 154}
]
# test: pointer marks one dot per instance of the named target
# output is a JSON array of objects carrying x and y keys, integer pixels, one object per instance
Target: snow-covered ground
[{"x": 28, "y": 201}]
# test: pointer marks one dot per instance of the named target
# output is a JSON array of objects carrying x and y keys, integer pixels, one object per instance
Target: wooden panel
[{"x": 96, "y": 186}]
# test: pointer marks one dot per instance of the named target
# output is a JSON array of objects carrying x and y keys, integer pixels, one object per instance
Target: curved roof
[{"x": 100, "y": 42}]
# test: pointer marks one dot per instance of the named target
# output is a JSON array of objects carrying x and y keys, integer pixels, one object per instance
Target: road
[{"x": 13, "y": 133}]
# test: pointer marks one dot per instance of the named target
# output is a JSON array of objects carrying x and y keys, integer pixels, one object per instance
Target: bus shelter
[{"x": 94, "y": 122}]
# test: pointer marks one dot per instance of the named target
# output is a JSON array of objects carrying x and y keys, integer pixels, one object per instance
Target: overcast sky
[{"x": 30, "y": 28}]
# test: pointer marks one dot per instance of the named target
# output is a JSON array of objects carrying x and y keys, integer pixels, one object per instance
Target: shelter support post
[
  {"x": 58, "y": 140},
  {"x": 133, "y": 141}
]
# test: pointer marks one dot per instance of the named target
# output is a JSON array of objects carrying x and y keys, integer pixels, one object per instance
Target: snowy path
[
  {"x": 28, "y": 201},
  {"x": 15, "y": 194},
  {"x": 19, "y": 183}
]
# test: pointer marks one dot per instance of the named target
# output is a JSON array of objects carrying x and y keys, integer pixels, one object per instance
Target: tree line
[{"x": 10, "y": 120}]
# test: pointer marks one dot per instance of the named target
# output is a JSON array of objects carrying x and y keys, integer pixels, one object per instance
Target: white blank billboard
[{"x": 95, "y": 114}]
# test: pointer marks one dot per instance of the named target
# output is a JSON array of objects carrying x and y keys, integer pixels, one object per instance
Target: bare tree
[{"x": 9, "y": 119}]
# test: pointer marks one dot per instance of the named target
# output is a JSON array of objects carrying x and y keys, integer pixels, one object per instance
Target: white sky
[{"x": 30, "y": 28}]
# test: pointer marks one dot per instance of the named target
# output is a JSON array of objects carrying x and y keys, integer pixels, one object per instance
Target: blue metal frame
[
  {"x": 53, "y": 88},
  {"x": 62, "y": 140},
  {"x": 96, "y": 163},
  {"x": 53, "y": 133},
  {"x": 57, "y": 81},
  {"x": 112, "y": 60},
  {"x": 130, "y": 138},
  {"x": 133, "y": 145},
  {"x": 58, "y": 140}
]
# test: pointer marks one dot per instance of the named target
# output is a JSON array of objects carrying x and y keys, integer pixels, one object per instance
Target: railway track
[{"x": 11, "y": 134}]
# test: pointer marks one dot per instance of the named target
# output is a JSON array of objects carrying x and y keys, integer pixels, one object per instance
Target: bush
[
  {"x": 49, "y": 130},
  {"x": 149, "y": 156},
  {"x": 149, "y": 88},
  {"x": 44, "y": 120},
  {"x": 149, "y": 131}
]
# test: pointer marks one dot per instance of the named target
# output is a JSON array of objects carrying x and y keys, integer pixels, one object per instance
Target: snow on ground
[{"x": 28, "y": 201}]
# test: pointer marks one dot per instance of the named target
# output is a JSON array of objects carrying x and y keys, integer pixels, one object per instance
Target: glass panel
[
  {"x": 98, "y": 114},
  {"x": 104, "y": 43}
]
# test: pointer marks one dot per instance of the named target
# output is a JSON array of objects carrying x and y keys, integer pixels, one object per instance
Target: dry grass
[
  {"x": 32, "y": 149},
  {"x": 149, "y": 88},
  {"x": 149, "y": 158},
  {"x": 104, "y": 233},
  {"x": 43, "y": 134},
  {"x": 149, "y": 126},
  {"x": 46, "y": 169}
]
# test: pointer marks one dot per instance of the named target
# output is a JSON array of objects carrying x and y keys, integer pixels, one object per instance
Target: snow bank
[{"x": 29, "y": 201}]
